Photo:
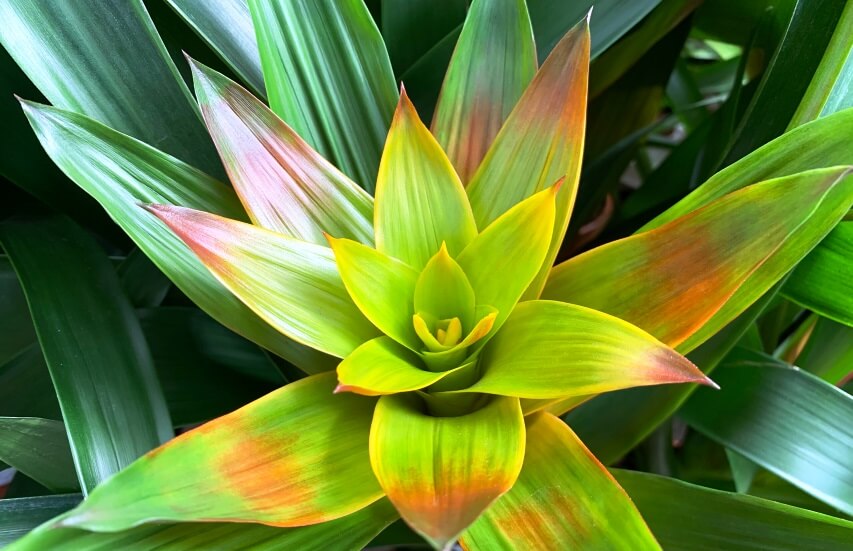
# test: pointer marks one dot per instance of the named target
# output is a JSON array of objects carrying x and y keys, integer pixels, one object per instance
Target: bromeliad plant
[{"x": 458, "y": 343}]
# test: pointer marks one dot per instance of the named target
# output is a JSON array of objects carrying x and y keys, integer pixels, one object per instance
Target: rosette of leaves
[{"x": 455, "y": 341}]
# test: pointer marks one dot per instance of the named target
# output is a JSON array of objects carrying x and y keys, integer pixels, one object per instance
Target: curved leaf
[
  {"x": 19, "y": 516},
  {"x": 120, "y": 173},
  {"x": 100, "y": 365},
  {"x": 60, "y": 48},
  {"x": 285, "y": 185},
  {"x": 381, "y": 366},
  {"x": 297, "y": 456},
  {"x": 504, "y": 258},
  {"x": 708, "y": 265},
  {"x": 39, "y": 449},
  {"x": 443, "y": 290},
  {"x": 328, "y": 76},
  {"x": 381, "y": 286},
  {"x": 563, "y": 499},
  {"x": 226, "y": 26},
  {"x": 291, "y": 284},
  {"x": 420, "y": 202},
  {"x": 350, "y": 532},
  {"x": 823, "y": 281},
  {"x": 441, "y": 473},
  {"x": 552, "y": 349},
  {"x": 494, "y": 61}
]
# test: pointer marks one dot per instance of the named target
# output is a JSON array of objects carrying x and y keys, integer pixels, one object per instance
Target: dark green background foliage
[{"x": 100, "y": 355}]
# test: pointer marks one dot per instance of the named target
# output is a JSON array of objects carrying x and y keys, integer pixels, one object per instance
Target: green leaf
[
  {"x": 297, "y": 456},
  {"x": 828, "y": 353},
  {"x": 143, "y": 283},
  {"x": 350, "y": 532},
  {"x": 411, "y": 28},
  {"x": 226, "y": 27},
  {"x": 120, "y": 173},
  {"x": 443, "y": 290},
  {"x": 823, "y": 281},
  {"x": 729, "y": 253},
  {"x": 25, "y": 386},
  {"x": 685, "y": 517},
  {"x": 563, "y": 499},
  {"x": 285, "y": 185},
  {"x": 488, "y": 72},
  {"x": 292, "y": 284},
  {"x": 62, "y": 49},
  {"x": 441, "y": 473},
  {"x": 806, "y": 441},
  {"x": 39, "y": 449},
  {"x": 15, "y": 324},
  {"x": 506, "y": 256},
  {"x": 100, "y": 365},
  {"x": 382, "y": 366},
  {"x": 540, "y": 143},
  {"x": 611, "y": 19},
  {"x": 316, "y": 53},
  {"x": 19, "y": 516},
  {"x": 420, "y": 202},
  {"x": 553, "y": 350}
]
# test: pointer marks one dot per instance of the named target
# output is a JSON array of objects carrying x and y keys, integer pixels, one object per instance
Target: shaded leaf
[
  {"x": 19, "y": 516},
  {"x": 38, "y": 448}
]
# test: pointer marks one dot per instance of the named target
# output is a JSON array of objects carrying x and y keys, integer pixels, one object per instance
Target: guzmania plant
[{"x": 457, "y": 344}]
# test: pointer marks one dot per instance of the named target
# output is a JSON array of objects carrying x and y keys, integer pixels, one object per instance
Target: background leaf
[{"x": 38, "y": 448}]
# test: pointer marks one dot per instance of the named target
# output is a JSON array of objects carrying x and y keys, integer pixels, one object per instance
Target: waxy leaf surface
[
  {"x": 540, "y": 143},
  {"x": 353, "y": 531},
  {"x": 291, "y": 284},
  {"x": 552, "y": 349},
  {"x": 382, "y": 366},
  {"x": 285, "y": 185},
  {"x": 381, "y": 286},
  {"x": 420, "y": 202},
  {"x": 504, "y": 258},
  {"x": 443, "y": 291},
  {"x": 488, "y": 72},
  {"x": 328, "y": 76},
  {"x": 670, "y": 281},
  {"x": 120, "y": 173},
  {"x": 442, "y": 472},
  {"x": 297, "y": 456},
  {"x": 563, "y": 499}
]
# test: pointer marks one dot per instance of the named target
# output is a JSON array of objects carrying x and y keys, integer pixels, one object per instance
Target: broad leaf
[
  {"x": 226, "y": 27},
  {"x": 293, "y": 285},
  {"x": 39, "y": 449},
  {"x": 54, "y": 45},
  {"x": 120, "y": 173},
  {"x": 441, "y": 473},
  {"x": 382, "y": 366},
  {"x": 552, "y": 349},
  {"x": 420, "y": 202},
  {"x": 709, "y": 265},
  {"x": 540, "y": 143},
  {"x": 505, "y": 257},
  {"x": 297, "y": 456},
  {"x": 411, "y": 28},
  {"x": 823, "y": 281},
  {"x": 314, "y": 53},
  {"x": 828, "y": 353},
  {"x": 685, "y": 517},
  {"x": 285, "y": 185},
  {"x": 19, "y": 516},
  {"x": 353, "y": 531},
  {"x": 563, "y": 499},
  {"x": 487, "y": 74},
  {"x": 755, "y": 416},
  {"x": 101, "y": 367}
]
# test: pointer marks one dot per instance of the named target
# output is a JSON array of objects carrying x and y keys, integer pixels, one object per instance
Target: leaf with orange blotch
[
  {"x": 293, "y": 285},
  {"x": 382, "y": 366},
  {"x": 295, "y": 457},
  {"x": 540, "y": 143},
  {"x": 684, "y": 281},
  {"x": 382, "y": 287},
  {"x": 286, "y": 186},
  {"x": 505, "y": 257},
  {"x": 442, "y": 472},
  {"x": 487, "y": 74},
  {"x": 563, "y": 499},
  {"x": 556, "y": 350},
  {"x": 420, "y": 201}
]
